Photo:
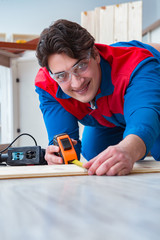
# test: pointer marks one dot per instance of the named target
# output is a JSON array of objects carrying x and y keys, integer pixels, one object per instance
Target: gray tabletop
[{"x": 81, "y": 207}]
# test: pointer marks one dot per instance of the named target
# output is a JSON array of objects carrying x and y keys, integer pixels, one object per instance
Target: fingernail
[
  {"x": 60, "y": 161},
  {"x": 90, "y": 172}
]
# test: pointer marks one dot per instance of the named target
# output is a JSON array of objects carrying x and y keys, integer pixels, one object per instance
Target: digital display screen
[{"x": 66, "y": 144}]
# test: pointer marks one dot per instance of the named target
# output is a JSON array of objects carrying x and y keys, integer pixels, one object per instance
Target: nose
[{"x": 76, "y": 81}]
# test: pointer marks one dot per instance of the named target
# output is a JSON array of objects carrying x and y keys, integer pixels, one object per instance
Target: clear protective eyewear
[{"x": 77, "y": 70}]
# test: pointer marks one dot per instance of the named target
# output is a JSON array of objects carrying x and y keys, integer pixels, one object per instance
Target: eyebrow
[{"x": 70, "y": 68}]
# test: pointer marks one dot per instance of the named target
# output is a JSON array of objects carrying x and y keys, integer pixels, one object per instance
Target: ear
[{"x": 96, "y": 54}]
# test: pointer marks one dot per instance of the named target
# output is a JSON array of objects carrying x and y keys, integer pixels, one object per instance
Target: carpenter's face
[{"x": 78, "y": 79}]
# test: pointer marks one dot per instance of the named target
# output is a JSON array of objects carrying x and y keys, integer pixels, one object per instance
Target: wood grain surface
[
  {"x": 145, "y": 166},
  {"x": 11, "y": 172}
]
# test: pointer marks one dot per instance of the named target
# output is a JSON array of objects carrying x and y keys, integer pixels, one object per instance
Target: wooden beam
[
  {"x": 17, "y": 46},
  {"x": 135, "y": 21},
  {"x": 11, "y": 49},
  {"x": 121, "y": 22},
  {"x": 106, "y": 28},
  {"x": 87, "y": 21},
  {"x": 151, "y": 27}
]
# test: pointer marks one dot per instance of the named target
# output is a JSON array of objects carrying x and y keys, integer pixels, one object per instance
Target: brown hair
[{"x": 64, "y": 37}]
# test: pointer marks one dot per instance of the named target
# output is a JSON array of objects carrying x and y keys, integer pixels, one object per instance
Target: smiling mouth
[{"x": 83, "y": 90}]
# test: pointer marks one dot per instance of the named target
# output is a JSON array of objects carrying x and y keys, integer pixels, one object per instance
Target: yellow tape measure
[{"x": 76, "y": 162}]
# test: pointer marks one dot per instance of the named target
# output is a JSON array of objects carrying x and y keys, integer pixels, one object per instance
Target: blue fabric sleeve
[
  {"x": 57, "y": 119},
  {"x": 142, "y": 102}
]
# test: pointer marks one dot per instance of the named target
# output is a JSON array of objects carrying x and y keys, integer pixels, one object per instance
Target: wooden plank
[
  {"x": 109, "y": 24},
  {"x": 121, "y": 22},
  {"x": 88, "y": 22},
  {"x": 97, "y": 24},
  {"x": 17, "y": 46},
  {"x": 135, "y": 21},
  {"x": 9, "y": 50},
  {"x": 146, "y": 166},
  {"x": 41, "y": 171},
  {"x": 106, "y": 32}
]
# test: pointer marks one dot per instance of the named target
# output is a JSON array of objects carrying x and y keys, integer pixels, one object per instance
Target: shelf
[
  {"x": 19, "y": 47},
  {"x": 12, "y": 49}
]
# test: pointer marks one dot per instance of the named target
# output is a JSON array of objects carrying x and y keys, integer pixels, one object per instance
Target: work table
[{"x": 81, "y": 207}]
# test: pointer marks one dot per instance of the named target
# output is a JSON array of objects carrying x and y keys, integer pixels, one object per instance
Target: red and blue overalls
[{"x": 127, "y": 102}]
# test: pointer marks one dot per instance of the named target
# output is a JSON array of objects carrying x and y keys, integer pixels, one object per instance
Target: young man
[{"x": 114, "y": 91}]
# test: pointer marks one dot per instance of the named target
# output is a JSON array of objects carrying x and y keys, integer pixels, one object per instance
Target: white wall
[
  {"x": 27, "y": 115},
  {"x": 155, "y": 35},
  {"x": 32, "y": 16},
  {"x": 152, "y": 36},
  {"x": 5, "y": 105}
]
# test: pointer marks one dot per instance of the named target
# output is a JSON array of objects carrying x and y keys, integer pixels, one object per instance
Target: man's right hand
[{"x": 51, "y": 157}]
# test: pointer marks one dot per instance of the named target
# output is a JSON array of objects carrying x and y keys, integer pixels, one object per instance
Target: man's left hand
[{"x": 117, "y": 159}]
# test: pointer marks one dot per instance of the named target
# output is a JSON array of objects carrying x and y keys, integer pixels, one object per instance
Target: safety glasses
[{"x": 77, "y": 70}]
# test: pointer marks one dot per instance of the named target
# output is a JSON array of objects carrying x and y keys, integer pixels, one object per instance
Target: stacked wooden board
[{"x": 114, "y": 23}]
